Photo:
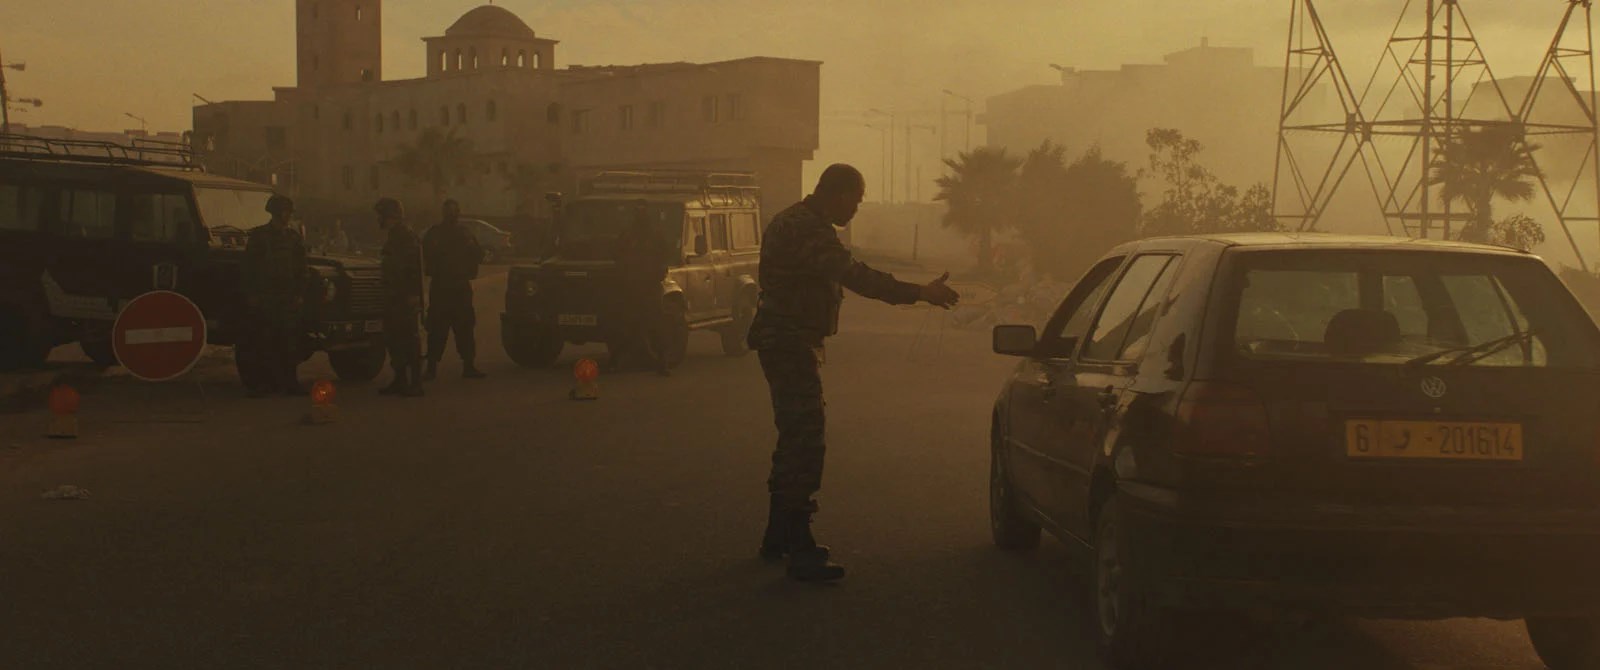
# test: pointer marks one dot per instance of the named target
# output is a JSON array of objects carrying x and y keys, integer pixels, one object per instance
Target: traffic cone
[
  {"x": 587, "y": 374},
  {"x": 63, "y": 413},
  {"x": 323, "y": 411}
]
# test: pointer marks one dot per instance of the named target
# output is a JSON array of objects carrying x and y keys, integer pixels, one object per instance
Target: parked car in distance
[
  {"x": 496, "y": 243},
  {"x": 1311, "y": 423}
]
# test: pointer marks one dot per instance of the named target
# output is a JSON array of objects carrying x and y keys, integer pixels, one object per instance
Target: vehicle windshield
[
  {"x": 232, "y": 208},
  {"x": 591, "y": 226},
  {"x": 1392, "y": 308}
]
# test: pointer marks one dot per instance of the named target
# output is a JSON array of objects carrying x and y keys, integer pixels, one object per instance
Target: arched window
[
  {"x": 490, "y": 112},
  {"x": 444, "y": 61},
  {"x": 359, "y": 13},
  {"x": 474, "y": 54},
  {"x": 461, "y": 112},
  {"x": 505, "y": 57},
  {"x": 522, "y": 58},
  {"x": 377, "y": 124},
  {"x": 412, "y": 122},
  {"x": 537, "y": 60},
  {"x": 553, "y": 113},
  {"x": 461, "y": 60}
]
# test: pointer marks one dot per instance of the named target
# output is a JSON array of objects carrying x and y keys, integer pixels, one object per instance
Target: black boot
[
  {"x": 414, "y": 377},
  {"x": 398, "y": 386},
  {"x": 773, "y": 541},
  {"x": 433, "y": 371},
  {"x": 470, "y": 371},
  {"x": 808, "y": 561}
]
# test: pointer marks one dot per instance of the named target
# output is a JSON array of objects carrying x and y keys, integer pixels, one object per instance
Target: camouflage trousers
[
  {"x": 795, "y": 377},
  {"x": 402, "y": 334}
]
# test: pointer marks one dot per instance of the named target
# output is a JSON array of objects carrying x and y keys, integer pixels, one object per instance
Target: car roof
[{"x": 1319, "y": 241}]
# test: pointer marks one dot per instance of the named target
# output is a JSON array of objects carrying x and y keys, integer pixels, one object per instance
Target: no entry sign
[{"x": 159, "y": 336}]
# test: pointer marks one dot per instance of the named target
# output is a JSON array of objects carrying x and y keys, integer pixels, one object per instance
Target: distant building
[
  {"x": 1217, "y": 95},
  {"x": 335, "y": 136}
]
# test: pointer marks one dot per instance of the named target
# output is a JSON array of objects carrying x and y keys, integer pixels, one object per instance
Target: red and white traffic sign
[{"x": 159, "y": 336}]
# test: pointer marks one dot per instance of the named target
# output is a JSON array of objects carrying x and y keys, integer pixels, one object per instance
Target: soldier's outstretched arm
[{"x": 830, "y": 257}]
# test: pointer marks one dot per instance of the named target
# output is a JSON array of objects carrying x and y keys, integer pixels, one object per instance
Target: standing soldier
[
  {"x": 804, "y": 268},
  {"x": 641, "y": 267},
  {"x": 402, "y": 312},
  {"x": 452, "y": 255},
  {"x": 273, "y": 276}
]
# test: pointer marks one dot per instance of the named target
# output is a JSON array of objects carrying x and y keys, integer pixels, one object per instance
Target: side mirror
[
  {"x": 701, "y": 247},
  {"x": 1015, "y": 340}
]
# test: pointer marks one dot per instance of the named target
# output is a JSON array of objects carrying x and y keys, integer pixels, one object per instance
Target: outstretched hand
[{"x": 937, "y": 292}]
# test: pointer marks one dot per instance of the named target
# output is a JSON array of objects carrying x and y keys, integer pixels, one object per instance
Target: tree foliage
[
  {"x": 1518, "y": 232},
  {"x": 436, "y": 159},
  {"x": 1071, "y": 214},
  {"x": 1194, "y": 200},
  {"x": 1477, "y": 166},
  {"x": 980, "y": 192}
]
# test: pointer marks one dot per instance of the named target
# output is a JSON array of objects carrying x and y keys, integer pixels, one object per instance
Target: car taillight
[{"x": 1221, "y": 420}]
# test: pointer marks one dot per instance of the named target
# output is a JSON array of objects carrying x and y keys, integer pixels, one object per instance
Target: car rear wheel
[
  {"x": 99, "y": 350},
  {"x": 532, "y": 348},
  {"x": 735, "y": 335},
  {"x": 1011, "y": 529},
  {"x": 1134, "y": 632},
  {"x": 21, "y": 347},
  {"x": 1566, "y": 643},
  {"x": 359, "y": 365},
  {"x": 252, "y": 374}
]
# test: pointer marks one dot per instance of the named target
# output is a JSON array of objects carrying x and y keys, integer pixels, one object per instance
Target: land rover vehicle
[
  {"x": 87, "y": 226},
  {"x": 711, "y": 226},
  {"x": 1371, "y": 426}
]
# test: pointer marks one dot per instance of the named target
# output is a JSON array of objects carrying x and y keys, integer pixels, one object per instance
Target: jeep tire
[
  {"x": 359, "y": 365},
  {"x": 532, "y": 347},
  {"x": 735, "y": 336},
  {"x": 1566, "y": 643},
  {"x": 21, "y": 345}
]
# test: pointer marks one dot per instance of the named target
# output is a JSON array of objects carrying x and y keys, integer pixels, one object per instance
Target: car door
[
  {"x": 744, "y": 254},
  {"x": 697, "y": 277},
  {"x": 87, "y": 269},
  {"x": 1105, "y": 367},
  {"x": 721, "y": 265},
  {"x": 1036, "y": 393}
]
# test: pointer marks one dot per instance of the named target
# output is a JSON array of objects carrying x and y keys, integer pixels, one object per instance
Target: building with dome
[{"x": 336, "y": 139}]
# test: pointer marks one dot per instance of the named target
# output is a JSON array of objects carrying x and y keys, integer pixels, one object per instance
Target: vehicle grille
[{"x": 366, "y": 292}]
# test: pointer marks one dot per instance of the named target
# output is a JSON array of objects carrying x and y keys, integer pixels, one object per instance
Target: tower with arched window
[
  {"x": 338, "y": 42},
  {"x": 488, "y": 38}
]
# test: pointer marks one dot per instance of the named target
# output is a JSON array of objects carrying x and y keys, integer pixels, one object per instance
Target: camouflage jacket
[
  {"x": 274, "y": 263},
  {"x": 402, "y": 265},
  {"x": 452, "y": 252},
  {"x": 804, "y": 269}
]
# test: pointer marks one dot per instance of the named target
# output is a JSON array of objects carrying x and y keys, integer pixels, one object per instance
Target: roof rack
[
  {"x": 736, "y": 185},
  {"x": 140, "y": 151}
]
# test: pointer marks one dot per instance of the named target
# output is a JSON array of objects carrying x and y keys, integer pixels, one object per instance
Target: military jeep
[
  {"x": 87, "y": 226},
  {"x": 711, "y": 226}
]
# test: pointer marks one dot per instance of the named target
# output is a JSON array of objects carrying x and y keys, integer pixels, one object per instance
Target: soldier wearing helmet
[
  {"x": 402, "y": 284},
  {"x": 274, "y": 277},
  {"x": 641, "y": 267}
]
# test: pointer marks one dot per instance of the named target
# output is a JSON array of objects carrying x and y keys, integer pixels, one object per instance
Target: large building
[
  {"x": 336, "y": 139},
  {"x": 1217, "y": 95}
]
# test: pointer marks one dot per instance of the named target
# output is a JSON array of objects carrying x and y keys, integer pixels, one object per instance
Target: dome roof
[{"x": 490, "y": 21}]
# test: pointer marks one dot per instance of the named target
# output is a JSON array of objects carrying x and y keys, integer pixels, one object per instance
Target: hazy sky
[{"x": 93, "y": 60}]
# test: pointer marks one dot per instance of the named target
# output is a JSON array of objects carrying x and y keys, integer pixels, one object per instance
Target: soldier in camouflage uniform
[
  {"x": 402, "y": 284},
  {"x": 274, "y": 277},
  {"x": 804, "y": 269},
  {"x": 452, "y": 256}
]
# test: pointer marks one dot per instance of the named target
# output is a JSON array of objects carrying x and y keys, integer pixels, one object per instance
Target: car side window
[
  {"x": 19, "y": 208},
  {"x": 1072, "y": 318},
  {"x": 159, "y": 217},
  {"x": 719, "y": 232},
  {"x": 1125, "y": 321},
  {"x": 697, "y": 231},
  {"x": 88, "y": 214}
]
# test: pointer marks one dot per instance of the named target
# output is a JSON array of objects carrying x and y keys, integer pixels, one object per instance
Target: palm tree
[
  {"x": 979, "y": 192},
  {"x": 1478, "y": 166},
  {"x": 436, "y": 159}
]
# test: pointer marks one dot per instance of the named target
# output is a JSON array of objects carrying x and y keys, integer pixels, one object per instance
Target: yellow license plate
[{"x": 1433, "y": 440}]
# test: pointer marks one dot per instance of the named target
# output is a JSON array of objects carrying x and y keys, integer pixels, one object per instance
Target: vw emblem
[{"x": 1433, "y": 387}]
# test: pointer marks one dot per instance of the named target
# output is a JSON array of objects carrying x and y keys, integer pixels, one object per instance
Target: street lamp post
[
  {"x": 909, "y": 168},
  {"x": 143, "y": 126},
  {"x": 883, "y": 161},
  {"x": 5, "y": 95},
  {"x": 968, "y": 100},
  {"x": 892, "y": 122}
]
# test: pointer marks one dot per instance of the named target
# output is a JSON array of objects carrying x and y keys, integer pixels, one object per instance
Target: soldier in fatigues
[
  {"x": 804, "y": 269},
  {"x": 402, "y": 284},
  {"x": 273, "y": 276},
  {"x": 641, "y": 267},
  {"x": 452, "y": 253}
]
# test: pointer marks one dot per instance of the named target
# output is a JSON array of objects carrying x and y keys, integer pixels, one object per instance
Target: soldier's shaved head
[{"x": 840, "y": 179}]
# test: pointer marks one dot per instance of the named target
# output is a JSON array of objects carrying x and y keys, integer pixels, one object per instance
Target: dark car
[
  {"x": 1310, "y": 423},
  {"x": 711, "y": 226},
  {"x": 87, "y": 226},
  {"x": 496, "y": 243}
]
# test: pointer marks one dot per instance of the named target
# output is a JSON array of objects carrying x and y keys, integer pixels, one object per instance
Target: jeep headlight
[
  {"x": 530, "y": 288},
  {"x": 330, "y": 290}
]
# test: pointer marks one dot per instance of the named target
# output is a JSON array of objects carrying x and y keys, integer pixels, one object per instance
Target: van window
[
  {"x": 19, "y": 208},
  {"x": 744, "y": 230},
  {"x": 228, "y": 208},
  {"x": 159, "y": 217},
  {"x": 719, "y": 232},
  {"x": 88, "y": 213}
]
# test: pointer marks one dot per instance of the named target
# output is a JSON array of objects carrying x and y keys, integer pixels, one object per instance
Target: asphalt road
[{"x": 498, "y": 524}]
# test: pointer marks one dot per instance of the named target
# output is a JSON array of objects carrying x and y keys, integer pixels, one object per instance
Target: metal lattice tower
[{"x": 1428, "y": 88}]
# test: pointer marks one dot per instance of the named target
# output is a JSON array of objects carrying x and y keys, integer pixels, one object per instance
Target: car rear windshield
[
  {"x": 1407, "y": 307},
  {"x": 223, "y": 208}
]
